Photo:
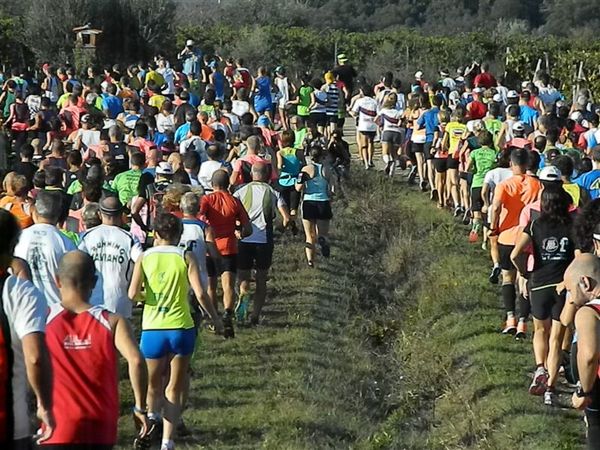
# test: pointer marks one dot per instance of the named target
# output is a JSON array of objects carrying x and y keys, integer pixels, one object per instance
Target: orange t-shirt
[
  {"x": 222, "y": 211},
  {"x": 514, "y": 194},
  {"x": 18, "y": 209}
]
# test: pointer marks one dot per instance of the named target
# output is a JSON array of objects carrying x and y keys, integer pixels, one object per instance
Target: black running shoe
[
  {"x": 325, "y": 249},
  {"x": 228, "y": 331},
  {"x": 495, "y": 274},
  {"x": 412, "y": 175}
]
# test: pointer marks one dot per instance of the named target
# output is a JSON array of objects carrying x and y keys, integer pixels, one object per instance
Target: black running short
[
  {"x": 315, "y": 210},
  {"x": 290, "y": 196},
  {"x": 505, "y": 261},
  {"x": 476, "y": 200},
  {"x": 546, "y": 303},
  {"x": 368, "y": 134},
  {"x": 453, "y": 163},
  {"x": 440, "y": 164},
  {"x": 258, "y": 256},
  {"x": 319, "y": 119},
  {"x": 428, "y": 150},
  {"x": 228, "y": 263}
]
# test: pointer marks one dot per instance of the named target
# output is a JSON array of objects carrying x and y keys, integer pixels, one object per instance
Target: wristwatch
[{"x": 581, "y": 393}]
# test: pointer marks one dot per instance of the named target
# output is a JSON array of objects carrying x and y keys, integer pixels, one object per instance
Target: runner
[
  {"x": 389, "y": 119},
  {"x": 82, "y": 342},
  {"x": 168, "y": 334},
  {"x": 365, "y": 110},
  {"x": 581, "y": 279},
  {"x": 230, "y": 222},
  {"x": 23, "y": 354},
  {"x": 113, "y": 250},
  {"x": 256, "y": 251},
  {"x": 552, "y": 241},
  {"x": 42, "y": 244},
  {"x": 316, "y": 207},
  {"x": 289, "y": 163},
  {"x": 510, "y": 196}
]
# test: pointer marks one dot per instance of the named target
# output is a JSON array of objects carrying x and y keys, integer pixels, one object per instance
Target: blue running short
[{"x": 156, "y": 344}]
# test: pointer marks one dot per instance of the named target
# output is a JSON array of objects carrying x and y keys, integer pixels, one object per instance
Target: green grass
[{"x": 390, "y": 344}]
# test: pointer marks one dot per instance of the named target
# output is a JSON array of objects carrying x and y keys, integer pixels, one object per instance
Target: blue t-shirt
[
  {"x": 430, "y": 121},
  {"x": 528, "y": 115},
  {"x": 590, "y": 182},
  {"x": 181, "y": 133},
  {"x": 113, "y": 104},
  {"x": 194, "y": 100}
]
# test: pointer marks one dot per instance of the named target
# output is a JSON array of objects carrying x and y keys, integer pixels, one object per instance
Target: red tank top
[{"x": 84, "y": 366}]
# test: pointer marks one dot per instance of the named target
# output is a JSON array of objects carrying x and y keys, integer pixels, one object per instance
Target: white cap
[
  {"x": 512, "y": 94},
  {"x": 550, "y": 173},
  {"x": 478, "y": 90},
  {"x": 164, "y": 168},
  {"x": 419, "y": 75},
  {"x": 497, "y": 98},
  {"x": 518, "y": 126},
  {"x": 189, "y": 43},
  {"x": 576, "y": 116}
]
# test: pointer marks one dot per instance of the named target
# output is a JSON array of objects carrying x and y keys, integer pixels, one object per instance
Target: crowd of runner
[{"x": 149, "y": 184}]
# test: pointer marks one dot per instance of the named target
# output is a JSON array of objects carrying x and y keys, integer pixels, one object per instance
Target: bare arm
[
  {"x": 199, "y": 291},
  {"x": 39, "y": 374},
  {"x": 126, "y": 345},
  {"x": 135, "y": 212},
  {"x": 135, "y": 287},
  {"x": 588, "y": 330},
  {"x": 516, "y": 255},
  {"x": 209, "y": 238}
]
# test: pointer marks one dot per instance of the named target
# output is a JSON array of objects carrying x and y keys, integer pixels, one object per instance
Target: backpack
[{"x": 6, "y": 373}]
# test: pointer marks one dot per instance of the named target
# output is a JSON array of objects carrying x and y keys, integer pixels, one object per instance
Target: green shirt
[
  {"x": 304, "y": 100},
  {"x": 126, "y": 184},
  {"x": 484, "y": 160},
  {"x": 166, "y": 306},
  {"x": 9, "y": 99},
  {"x": 300, "y": 136}
]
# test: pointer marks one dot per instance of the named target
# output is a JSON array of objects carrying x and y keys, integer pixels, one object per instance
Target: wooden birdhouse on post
[
  {"x": 86, "y": 36},
  {"x": 84, "y": 53}
]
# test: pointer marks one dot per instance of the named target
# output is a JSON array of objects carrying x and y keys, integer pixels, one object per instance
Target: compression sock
[
  {"x": 509, "y": 295},
  {"x": 524, "y": 308}
]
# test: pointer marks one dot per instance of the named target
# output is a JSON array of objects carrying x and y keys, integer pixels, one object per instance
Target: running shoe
[
  {"x": 152, "y": 436},
  {"x": 228, "y": 332},
  {"x": 241, "y": 308},
  {"x": 423, "y": 185},
  {"x": 254, "y": 320},
  {"x": 495, "y": 274},
  {"x": 294, "y": 227},
  {"x": 466, "y": 220},
  {"x": 484, "y": 245},
  {"x": 538, "y": 384},
  {"x": 167, "y": 447},
  {"x": 325, "y": 249},
  {"x": 310, "y": 264},
  {"x": 549, "y": 398},
  {"x": 412, "y": 175},
  {"x": 510, "y": 327},
  {"x": 182, "y": 429},
  {"x": 521, "y": 330},
  {"x": 473, "y": 236},
  {"x": 458, "y": 211}
]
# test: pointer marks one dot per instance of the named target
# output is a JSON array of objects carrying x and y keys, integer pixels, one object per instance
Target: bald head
[
  {"x": 76, "y": 271},
  {"x": 253, "y": 144},
  {"x": 220, "y": 180},
  {"x": 259, "y": 172},
  {"x": 581, "y": 277}
]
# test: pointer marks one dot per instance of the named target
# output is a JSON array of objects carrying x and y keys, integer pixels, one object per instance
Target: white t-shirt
[
  {"x": 193, "y": 240},
  {"x": 388, "y": 117},
  {"x": 89, "y": 137},
  {"x": 366, "y": 107},
  {"x": 169, "y": 76},
  {"x": 234, "y": 120},
  {"x": 165, "y": 123},
  {"x": 114, "y": 251},
  {"x": 26, "y": 310},
  {"x": 496, "y": 176},
  {"x": 42, "y": 246},
  {"x": 194, "y": 143},
  {"x": 240, "y": 107},
  {"x": 284, "y": 89},
  {"x": 207, "y": 169},
  {"x": 253, "y": 197}
]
